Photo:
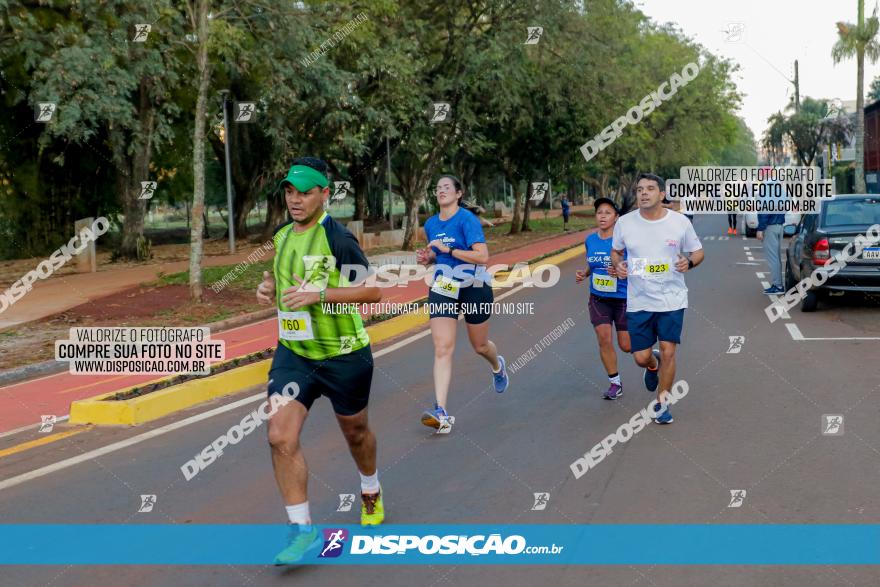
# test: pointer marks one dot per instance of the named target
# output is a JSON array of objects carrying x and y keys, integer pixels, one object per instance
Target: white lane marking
[
  {"x": 746, "y": 263},
  {"x": 98, "y": 452},
  {"x": 759, "y": 274},
  {"x": 30, "y": 427},
  {"x": 797, "y": 335},
  {"x": 765, "y": 284},
  {"x": 783, "y": 313}
]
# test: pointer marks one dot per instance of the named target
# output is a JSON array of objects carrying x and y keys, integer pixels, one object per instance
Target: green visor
[{"x": 305, "y": 178}]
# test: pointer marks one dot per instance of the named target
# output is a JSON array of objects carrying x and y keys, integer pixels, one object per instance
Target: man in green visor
[{"x": 318, "y": 353}]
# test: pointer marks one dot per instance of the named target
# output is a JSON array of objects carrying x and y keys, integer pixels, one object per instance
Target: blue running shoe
[
  {"x": 773, "y": 289},
  {"x": 661, "y": 415},
  {"x": 299, "y": 542},
  {"x": 652, "y": 378},
  {"x": 501, "y": 379},
  {"x": 438, "y": 419}
]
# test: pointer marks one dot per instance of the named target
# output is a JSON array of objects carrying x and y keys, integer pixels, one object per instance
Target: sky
[{"x": 774, "y": 34}]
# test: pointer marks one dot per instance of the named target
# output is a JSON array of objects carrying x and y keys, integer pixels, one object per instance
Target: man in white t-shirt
[{"x": 660, "y": 246}]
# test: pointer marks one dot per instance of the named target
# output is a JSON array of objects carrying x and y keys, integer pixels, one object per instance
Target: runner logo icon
[
  {"x": 340, "y": 189},
  {"x": 147, "y": 503},
  {"x": 334, "y": 540},
  {"x": 541, "y": 500},
  {"x": 539, "y": 190},
  {"x": 534, "y": 34},
  {"x": 737, "y": 496},
  {"x": 832, "y": 424},
  {"x": 141, "y": 32},
  {"x": 736, "y": 344},
  {"x": 346, "y": 500},
  {"x": 47, "y": 424}
]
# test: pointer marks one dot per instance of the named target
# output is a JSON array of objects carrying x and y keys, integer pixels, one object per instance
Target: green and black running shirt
[{"x": 319, "y": 256}]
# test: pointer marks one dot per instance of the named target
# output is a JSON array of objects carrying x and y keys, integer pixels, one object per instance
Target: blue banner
[{"x": 478, "y": 544}]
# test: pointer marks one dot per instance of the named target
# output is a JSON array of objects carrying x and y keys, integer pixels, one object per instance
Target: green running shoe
[
  {"x": 299, "y": 542},
  {"x": 372, "y": 509}
]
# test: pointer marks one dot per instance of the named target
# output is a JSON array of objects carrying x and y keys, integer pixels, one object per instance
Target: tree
[
  {"x": 859, "y": 40},
  {"x": 112, "y": 93},
  {"x": 774, "y": 137},
  {"x": 874, "y": 91},
  {"x": 813, "y": 126}
]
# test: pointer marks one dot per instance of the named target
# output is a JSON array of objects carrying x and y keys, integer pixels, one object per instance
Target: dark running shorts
[
  {"x": 475, "y": 302},
  {"x": 345, "y": 380},
  {"x": 646, "y": 328},
  {"x": 608, "y": 311}
]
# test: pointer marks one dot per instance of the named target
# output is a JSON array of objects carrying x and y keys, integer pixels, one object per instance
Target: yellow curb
[
  {"x": 557, "y": 259},
  {"x": 138, "y": 410}
]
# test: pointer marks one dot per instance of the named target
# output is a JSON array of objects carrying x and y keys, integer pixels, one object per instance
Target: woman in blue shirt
[
  {"x": 457, "y": 245},
  {"x": 607, "y": 293}
]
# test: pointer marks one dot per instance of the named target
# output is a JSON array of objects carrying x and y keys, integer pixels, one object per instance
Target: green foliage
[{"x": 520, "y": 111}]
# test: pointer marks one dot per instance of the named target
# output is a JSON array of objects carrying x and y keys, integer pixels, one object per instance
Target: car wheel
[
  {"x": 751, "y": 232},
  {"x": 789, "y": 278},
  {"x": 810, "y": 301}
]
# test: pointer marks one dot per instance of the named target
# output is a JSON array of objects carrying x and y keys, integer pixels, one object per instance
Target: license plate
[{"x": 872, "y": 253}]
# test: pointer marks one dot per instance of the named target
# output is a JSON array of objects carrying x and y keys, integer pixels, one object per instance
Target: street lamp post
[{"x": 229, "y": 214}]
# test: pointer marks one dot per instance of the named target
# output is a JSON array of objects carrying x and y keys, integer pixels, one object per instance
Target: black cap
[{"x": 609, "y": 201}]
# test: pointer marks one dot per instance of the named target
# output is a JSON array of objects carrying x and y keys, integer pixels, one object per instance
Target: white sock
[
  {"x": 299, "y": 514},
  {"x": 370, "y": 483},
  {"x": 615, "y": 380}
]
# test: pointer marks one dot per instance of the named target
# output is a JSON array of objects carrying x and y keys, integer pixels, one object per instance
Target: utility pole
[{"x": 797, "y": 90}]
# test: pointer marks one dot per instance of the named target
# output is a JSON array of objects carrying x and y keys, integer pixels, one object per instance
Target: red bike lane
[{"x": 22, "y": 404}]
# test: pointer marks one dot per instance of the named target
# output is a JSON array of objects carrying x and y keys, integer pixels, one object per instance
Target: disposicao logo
[{"x": 334, "y": 540}]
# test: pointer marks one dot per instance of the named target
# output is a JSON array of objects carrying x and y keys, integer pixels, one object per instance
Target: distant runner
[
  {"x": 652, "y": 248},
  {"x": 731, "y": 224},
  {"x": 318, "y": 354},
  {"x": 607, "y": 301},
  {"x": 458, "y": 246},
  {"x": 566, "y": 210}
]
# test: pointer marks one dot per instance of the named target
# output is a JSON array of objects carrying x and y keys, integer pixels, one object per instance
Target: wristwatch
[
  {"x": 690, "y": 264},
  {"x": 323, "y": 293}
]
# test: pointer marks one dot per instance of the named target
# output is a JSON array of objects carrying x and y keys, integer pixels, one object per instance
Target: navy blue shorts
[
  {"x": 608, "y": 311},
  {"x": 646, "y": 328},
  {"x": 345, "y": 380},
  {"x": 474, "y": 301}
]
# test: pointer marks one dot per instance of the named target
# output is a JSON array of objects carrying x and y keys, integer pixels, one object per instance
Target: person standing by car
[{"x": 770, "y": 233}]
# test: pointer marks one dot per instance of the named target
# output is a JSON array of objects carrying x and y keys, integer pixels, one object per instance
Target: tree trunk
[
  {"x": 860, "y": 124},
  {"x": 276, "y": 213},
  {"x": 411, "y": 221},
  {"x": 517, "y": 210},
  {"x": 376, "y": 202},
  {"x": 360, "y": 184},
  {"x": 201, "y": 9},
  {"x": 528, "y": 208},
  {"x": 137, "y": 166}
]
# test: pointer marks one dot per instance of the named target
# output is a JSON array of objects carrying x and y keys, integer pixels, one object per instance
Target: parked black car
[{"x": 819, "y": 236}]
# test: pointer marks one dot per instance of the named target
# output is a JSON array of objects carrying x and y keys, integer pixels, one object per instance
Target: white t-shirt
[{"x": 652, "y": 248}]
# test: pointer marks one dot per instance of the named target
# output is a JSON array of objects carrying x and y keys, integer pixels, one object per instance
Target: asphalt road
[{"x": 751, "y": 421}]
